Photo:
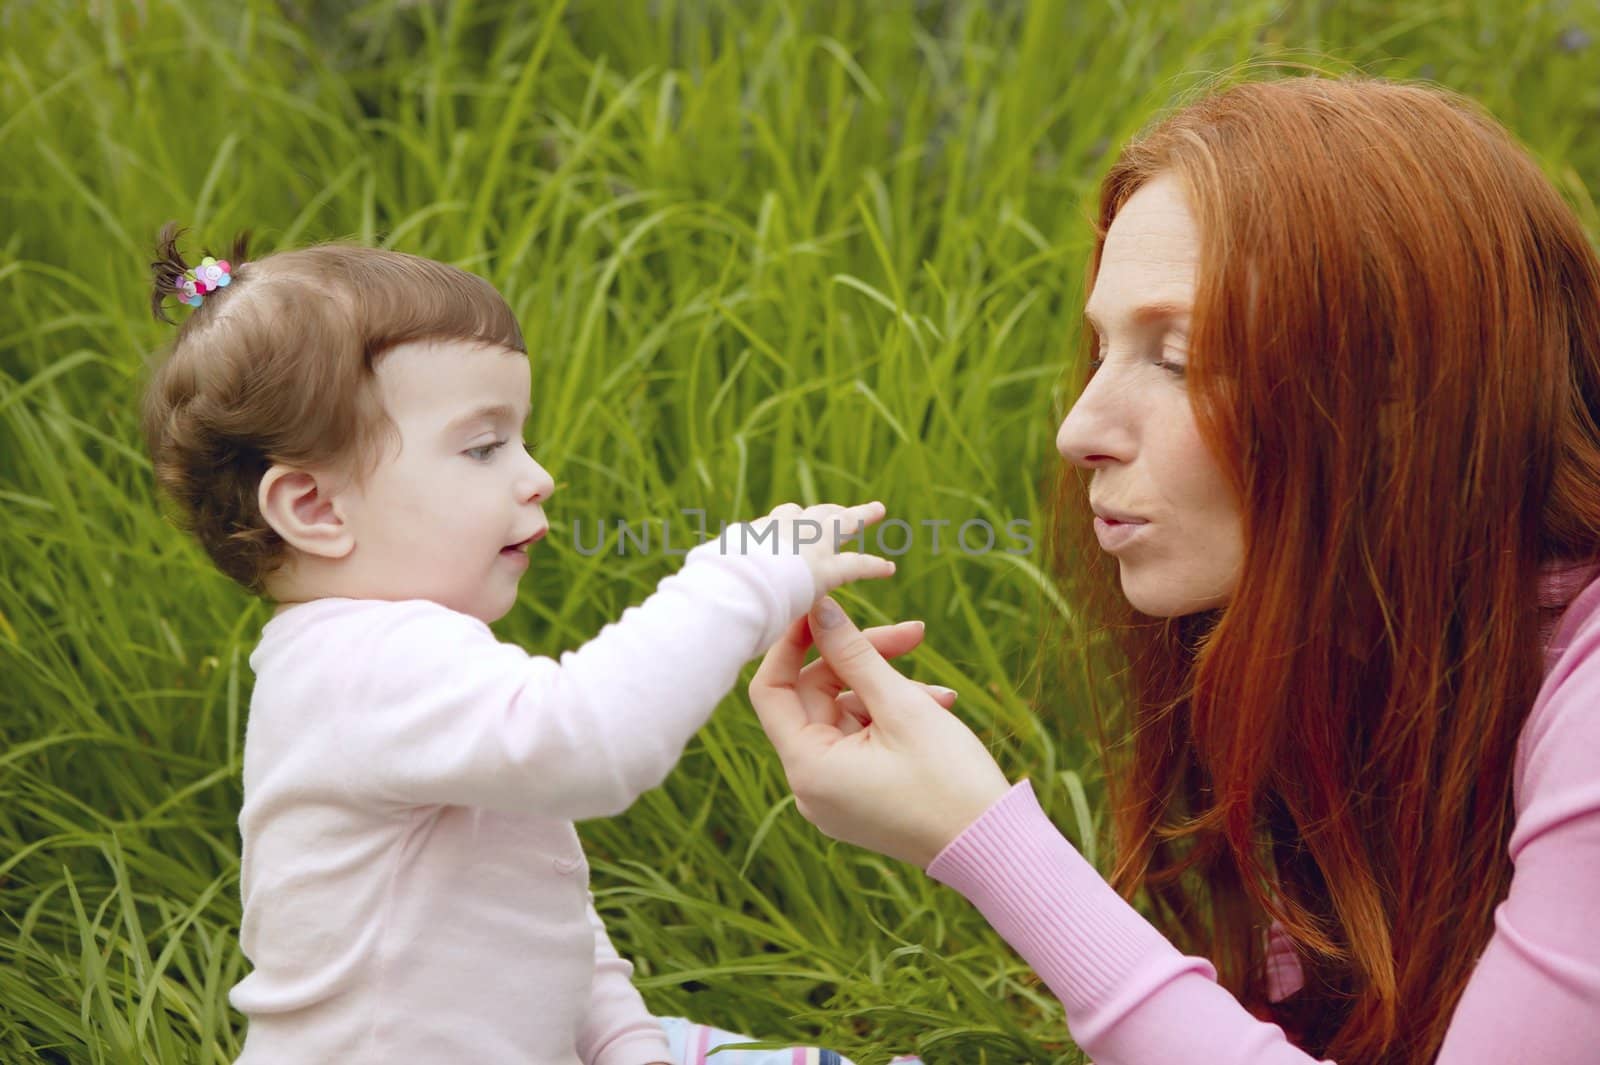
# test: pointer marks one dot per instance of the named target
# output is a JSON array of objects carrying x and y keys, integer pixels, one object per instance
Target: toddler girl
[{"x": 340, "y": 428}]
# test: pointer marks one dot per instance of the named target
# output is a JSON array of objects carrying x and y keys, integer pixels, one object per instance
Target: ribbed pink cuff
[{"x": 1096, "y": 953}]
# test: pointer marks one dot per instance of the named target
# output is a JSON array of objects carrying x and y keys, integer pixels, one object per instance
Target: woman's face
[{"x": 1162, "y": 506}]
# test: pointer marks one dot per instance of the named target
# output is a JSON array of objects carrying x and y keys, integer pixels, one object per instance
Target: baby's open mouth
[{"x": 523, "y": 545}]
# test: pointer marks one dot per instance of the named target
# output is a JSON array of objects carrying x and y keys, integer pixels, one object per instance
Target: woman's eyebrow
[{"x": 1149, "y": 312}]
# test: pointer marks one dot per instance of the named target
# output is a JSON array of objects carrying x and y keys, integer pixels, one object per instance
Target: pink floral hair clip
[
  {"x": 199, "y": 281},
  {"x": 171, "y": 275}
]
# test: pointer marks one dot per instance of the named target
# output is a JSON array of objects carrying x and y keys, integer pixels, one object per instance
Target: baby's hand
[{"x": 816, "y": 534}]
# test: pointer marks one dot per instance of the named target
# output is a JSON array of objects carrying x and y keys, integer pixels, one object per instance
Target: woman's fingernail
[
  {"x": 942, "y": 690},
  {"x": 829, "y": 615}
]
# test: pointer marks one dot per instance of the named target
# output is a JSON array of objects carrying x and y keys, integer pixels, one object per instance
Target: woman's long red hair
[{"x": 1395, "y": 354}]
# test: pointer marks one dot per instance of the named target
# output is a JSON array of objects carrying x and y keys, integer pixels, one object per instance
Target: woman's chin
[{"x": 1166, "y": 599}]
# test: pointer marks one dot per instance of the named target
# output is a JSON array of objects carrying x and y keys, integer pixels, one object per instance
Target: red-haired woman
[{"x": 1340, "y": 446}]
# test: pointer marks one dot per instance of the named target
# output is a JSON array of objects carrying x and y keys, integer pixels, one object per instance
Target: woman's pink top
[{"x": 1132, "y": 999}]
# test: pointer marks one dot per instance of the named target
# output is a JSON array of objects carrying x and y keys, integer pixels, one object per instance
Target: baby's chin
[
  {"x": 485, "y": 605},
  {"x": 491, "y": 612},
  {"x": 488, "y": 613}
]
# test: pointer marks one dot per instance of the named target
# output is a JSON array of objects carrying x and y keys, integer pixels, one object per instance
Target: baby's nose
[{"x": 538, "y": 486}]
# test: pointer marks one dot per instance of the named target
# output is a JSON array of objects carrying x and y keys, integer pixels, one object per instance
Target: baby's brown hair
[{"x": 278, "y": 366}]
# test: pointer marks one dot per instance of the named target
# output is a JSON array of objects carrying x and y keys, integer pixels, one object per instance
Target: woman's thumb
[{"x": 851, "y": 656}]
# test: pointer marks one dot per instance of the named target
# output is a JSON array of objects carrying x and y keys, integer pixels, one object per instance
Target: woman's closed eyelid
[{"x": 1160, "y": 358}]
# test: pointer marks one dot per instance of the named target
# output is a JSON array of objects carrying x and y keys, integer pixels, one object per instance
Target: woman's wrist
[
  {"x": 985, "y": 797},
  {"x": 997, "y": 807}
]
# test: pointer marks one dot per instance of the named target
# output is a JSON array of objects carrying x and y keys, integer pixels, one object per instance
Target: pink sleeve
[
  {"x": 1535, "y": 994},
  {"x": 618, "y": 1029},
  {"x": 1132, "y": 999},
  {"x": 449, "y": 715}
]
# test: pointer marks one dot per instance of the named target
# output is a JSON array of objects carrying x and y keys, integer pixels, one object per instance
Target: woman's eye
[
  {"x": 1179, "y": 367},
  {"x": 482, "y": 452},
  {"x": 1176, "y": 369}
]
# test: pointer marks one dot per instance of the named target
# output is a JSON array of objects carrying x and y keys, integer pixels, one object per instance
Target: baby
[{"x": 340, "y": 427}]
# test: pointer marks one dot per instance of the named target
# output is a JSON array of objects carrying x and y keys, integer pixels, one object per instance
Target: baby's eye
[{"x": 484, "y": 451}]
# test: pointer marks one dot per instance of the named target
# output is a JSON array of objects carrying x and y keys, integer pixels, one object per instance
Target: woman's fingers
[
  {"x": 789, "y": 696},
  {"x": 817, "y": 684},
  {"x": 897, "y": 639},
  {"x": 890, "y": 641},
  {"x": 850, "y": 703},
  {"x": 772, "y": 689},
  {"x": 854, "y": 659},
  {"x": 854, "y": 716}
]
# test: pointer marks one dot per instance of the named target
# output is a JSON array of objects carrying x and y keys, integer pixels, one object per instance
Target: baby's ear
[{"x": 300, "y": 508}]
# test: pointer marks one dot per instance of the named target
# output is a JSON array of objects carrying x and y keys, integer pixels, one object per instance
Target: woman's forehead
[{"x": 1150, "y": 255}]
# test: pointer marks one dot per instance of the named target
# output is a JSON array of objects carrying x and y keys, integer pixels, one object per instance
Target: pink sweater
[
  {"x": 1132, "y": 999},
  {"x": 413, "y": 886}
]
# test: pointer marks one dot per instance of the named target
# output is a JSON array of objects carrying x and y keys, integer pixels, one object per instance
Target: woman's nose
[{"x": 1095, "y": 430}]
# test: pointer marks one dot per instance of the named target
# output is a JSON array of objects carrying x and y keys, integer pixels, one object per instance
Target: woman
[{"x": 1340, "y": 444}]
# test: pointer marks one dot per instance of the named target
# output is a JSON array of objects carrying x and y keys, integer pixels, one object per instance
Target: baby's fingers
[
  {"x": 852, "y": 520},
  {"x": 839, "y": 570}
]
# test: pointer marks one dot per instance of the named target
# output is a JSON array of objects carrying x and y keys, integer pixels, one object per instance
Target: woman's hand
[{"x": 884, "y": 765}]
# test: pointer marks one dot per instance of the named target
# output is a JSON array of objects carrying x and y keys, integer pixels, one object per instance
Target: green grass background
[{"x": 761, "y": 251}]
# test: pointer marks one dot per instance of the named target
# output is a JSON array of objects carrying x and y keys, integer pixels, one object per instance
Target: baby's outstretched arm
[{"x": 468, "y": 720}]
